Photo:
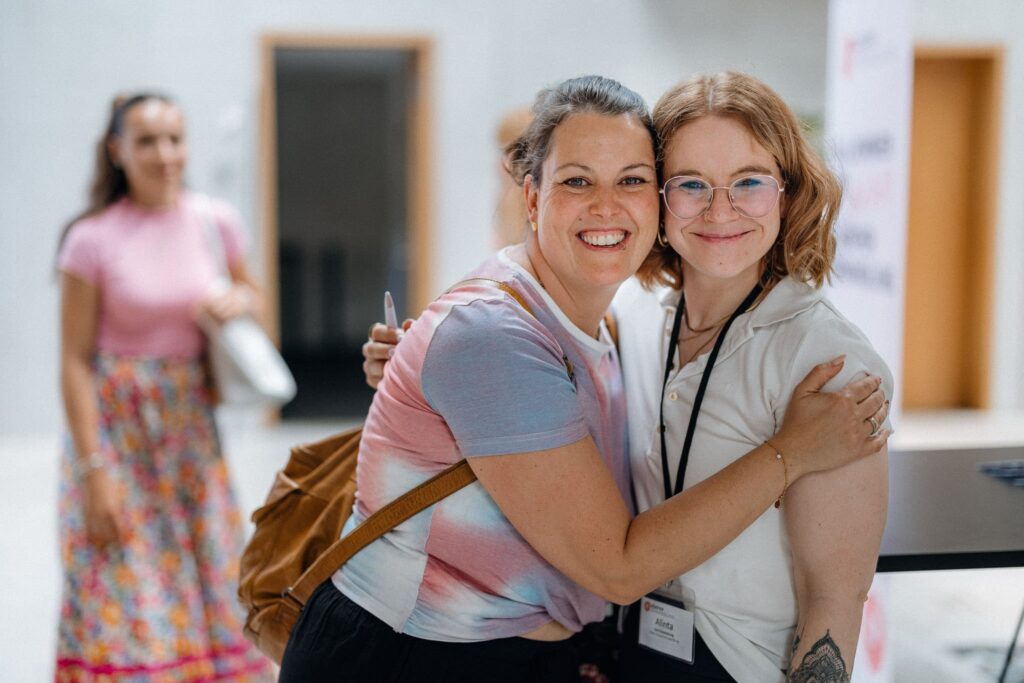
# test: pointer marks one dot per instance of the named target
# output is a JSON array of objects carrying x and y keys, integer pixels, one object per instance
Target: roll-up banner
[{"x": 867, "y": 137}]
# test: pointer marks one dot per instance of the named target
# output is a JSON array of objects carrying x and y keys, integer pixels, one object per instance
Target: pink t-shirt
[{"x": 151, "y": 268}]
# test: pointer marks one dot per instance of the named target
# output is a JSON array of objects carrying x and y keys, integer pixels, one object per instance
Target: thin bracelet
[
  {"x": 785, "y": 472},
  {"x": 86, "y": 465}
]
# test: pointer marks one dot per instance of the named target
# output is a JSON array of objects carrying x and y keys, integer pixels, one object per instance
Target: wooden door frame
[
  {"x": 981, "y": 320},
  {"x": 419, "y": 206}
]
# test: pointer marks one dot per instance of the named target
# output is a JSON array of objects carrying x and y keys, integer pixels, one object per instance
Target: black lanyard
[{"x": 672, "y": 344}]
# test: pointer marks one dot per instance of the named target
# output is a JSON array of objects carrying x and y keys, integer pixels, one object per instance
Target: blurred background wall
[{"x": 60, "y": 63}]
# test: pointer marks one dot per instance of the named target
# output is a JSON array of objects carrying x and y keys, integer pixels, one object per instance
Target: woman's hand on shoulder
[
  {"x": 378, "y": 349},
  {"x": 825, "y": 430}
]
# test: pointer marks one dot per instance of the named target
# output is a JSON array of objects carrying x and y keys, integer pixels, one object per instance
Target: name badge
[{"x": 666, "y": 627}]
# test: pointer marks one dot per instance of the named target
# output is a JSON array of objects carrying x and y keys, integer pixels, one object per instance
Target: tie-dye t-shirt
[{"x": 478, "y": 375}]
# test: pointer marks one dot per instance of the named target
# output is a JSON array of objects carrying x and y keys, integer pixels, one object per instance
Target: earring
[
  {"x": 533, "y": 225},
  {"x": 661, "y": 235}
]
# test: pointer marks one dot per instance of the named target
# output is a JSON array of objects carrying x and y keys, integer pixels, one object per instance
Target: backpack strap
[
  {"x": 503, "y": 286},
  {"x": 411, "y": 503}
]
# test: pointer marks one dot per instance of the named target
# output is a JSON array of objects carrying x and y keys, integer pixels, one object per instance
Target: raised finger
[
  {"x": 870, "y": 405},
  {"x": 374, "y": 370},
  {"x": 375, "y": 351},
  {"x": 876, "y": 442},
  {"x": 383, "y": 333},
  {"x": 372, "y": 374},
  {"x": 882, "y": 413},
  {"x": 860, "y": 389}
]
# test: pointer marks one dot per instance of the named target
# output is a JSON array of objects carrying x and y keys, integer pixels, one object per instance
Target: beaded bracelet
[{"x": 785, "y": 472}]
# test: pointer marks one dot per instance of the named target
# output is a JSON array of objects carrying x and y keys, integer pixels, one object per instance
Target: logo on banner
[{"x": 874, "y": 633}]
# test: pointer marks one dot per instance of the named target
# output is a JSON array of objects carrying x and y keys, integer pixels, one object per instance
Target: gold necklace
[
  {"x": 695, "y": 333},
  {"x": 695, "y": 336},
  {"x": 698, "y": 351}
]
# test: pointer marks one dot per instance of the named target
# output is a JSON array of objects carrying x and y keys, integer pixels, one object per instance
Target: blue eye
[
  {"x": 634, "y": 180},
  {"x": 751, "y": 182},
  {"x": 691, "y": 186},
  {"x": 575, "y": 182}
]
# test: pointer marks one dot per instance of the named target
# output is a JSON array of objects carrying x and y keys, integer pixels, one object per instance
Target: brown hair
[
  {"x": 806, "y": 246},
  {"x": 109, "y": 182},
  {"x": 590, "y": 94}
]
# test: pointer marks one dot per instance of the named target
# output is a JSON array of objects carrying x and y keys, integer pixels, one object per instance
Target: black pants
[
  {"x": 640, "y": 664},
  {"x": 337, "y": 640}
]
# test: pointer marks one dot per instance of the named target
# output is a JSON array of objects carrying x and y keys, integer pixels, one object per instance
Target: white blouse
[{"x": 743, "y": 597}]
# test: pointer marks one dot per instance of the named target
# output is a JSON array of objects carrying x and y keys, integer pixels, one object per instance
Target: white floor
[{"x": 942, "y": 626}]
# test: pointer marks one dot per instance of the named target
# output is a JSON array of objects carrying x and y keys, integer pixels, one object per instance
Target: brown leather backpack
[{"x": 295, "y": 547}]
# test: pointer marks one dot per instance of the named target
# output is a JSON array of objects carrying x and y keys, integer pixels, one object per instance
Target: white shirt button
[{"x": 672, "y": 396}]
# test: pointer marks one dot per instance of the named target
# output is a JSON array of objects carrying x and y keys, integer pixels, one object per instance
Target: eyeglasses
[{"x": 752, "y": 196}]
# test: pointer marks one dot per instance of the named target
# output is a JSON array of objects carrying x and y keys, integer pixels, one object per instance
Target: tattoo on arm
[{"x": 823, "y": 663}]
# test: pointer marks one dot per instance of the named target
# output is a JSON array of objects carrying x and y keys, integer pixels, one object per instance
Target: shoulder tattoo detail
[{"x": 823, "y": 663}]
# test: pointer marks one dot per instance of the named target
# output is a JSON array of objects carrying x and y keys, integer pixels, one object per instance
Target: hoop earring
[{"x": 661, "y": 235}]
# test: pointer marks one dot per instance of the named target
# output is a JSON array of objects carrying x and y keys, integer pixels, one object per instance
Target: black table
[{"x": 945, "y": 513}]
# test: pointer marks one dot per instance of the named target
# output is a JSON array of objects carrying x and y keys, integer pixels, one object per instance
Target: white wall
[
  {"x": 996, "y": 22},
  {"x": 60, "y": 62}
]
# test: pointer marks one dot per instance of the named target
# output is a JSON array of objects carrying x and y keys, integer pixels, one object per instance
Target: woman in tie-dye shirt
[{"x": 490, "y": 583}]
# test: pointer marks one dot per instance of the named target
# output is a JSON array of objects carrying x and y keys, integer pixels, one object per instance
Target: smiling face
[
  {"x": 152, "y": 151},
  {"x": 720, "y": 244},
  {"x": 596, "y": 205}
]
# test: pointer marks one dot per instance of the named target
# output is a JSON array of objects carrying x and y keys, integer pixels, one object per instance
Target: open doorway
[{"x": 344, "y": 210}]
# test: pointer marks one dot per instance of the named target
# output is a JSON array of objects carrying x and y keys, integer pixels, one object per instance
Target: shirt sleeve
[
  {"x": 80, "y": 253},
  {"x": 232, "y": 231},
  {"x": 498, "y": 380},
  {"x": 822, "y": 340}
]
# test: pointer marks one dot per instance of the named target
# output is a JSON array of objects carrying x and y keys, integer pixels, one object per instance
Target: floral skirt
[{"x": 161, "y": 605}]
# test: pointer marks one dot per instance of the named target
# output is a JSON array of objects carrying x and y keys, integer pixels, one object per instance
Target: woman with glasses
[
  {"x": 725, "y": 318},
  {"x": 490, "y": 583},
  {"x": 733, "y": 307},
  {"x": 150, "y": 533}
]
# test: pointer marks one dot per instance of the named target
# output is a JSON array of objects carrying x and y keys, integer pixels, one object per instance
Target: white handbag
[{"x": 246, "y": 366}]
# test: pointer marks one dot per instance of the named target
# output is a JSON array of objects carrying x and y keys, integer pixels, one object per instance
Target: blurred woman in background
[{"x": 150, "y": 533}]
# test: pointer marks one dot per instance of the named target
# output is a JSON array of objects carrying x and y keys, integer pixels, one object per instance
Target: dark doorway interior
[{"x": 342, "y": 138}]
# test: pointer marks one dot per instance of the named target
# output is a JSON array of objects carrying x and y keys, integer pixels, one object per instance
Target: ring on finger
[{"x": 875, "y": 426}]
